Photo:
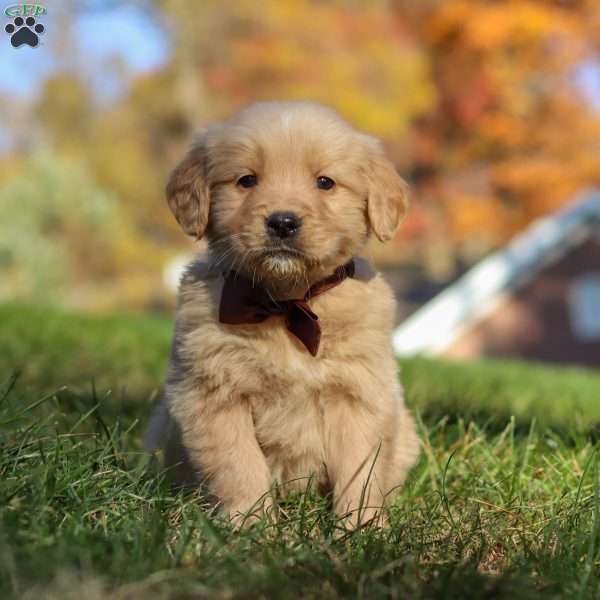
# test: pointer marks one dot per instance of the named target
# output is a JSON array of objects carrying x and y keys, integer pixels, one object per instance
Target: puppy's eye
[
  {"x": 325, "y": 183},
  {"x": 247, "y": 181}
]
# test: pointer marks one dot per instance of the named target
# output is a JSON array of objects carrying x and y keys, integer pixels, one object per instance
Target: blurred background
[{"x": 490, "y": 109}]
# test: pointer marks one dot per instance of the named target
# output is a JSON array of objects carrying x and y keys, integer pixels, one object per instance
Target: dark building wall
[{"x": 535, "y": 322}]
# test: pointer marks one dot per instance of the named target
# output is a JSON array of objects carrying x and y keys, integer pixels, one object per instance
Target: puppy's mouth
[
  {"x": 282, "y": 262},
  {"x": 282, "y": 252}
]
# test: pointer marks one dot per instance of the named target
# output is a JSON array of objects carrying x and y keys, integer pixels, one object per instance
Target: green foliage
[
  {"x": 56, "y": 225},
  {"x": 505, "y": 512},
  {"x": 65, "y": 109}
]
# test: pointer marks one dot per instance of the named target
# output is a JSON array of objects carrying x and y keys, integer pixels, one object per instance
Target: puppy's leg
[
  {"x": 222, "y": 446},
  {"x": 406, "y": 449},
  {"x": 356, "y": 456}
]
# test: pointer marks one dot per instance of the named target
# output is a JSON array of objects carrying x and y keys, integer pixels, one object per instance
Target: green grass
[{"x": 505, "y": 502}]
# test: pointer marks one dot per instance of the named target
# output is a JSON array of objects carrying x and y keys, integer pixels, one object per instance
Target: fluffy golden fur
[{"x": 250, "y": 405}]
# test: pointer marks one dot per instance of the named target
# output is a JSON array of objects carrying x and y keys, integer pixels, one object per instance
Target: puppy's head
[{"x": 286, "y": 191}]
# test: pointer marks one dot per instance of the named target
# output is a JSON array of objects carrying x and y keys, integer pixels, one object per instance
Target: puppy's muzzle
[{"x": 283, "y": 225}]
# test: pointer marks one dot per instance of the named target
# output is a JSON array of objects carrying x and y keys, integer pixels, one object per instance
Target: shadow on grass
[{"x": 494, "y": 422}]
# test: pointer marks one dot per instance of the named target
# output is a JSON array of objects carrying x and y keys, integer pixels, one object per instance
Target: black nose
[{"x": 283, "y": 225}]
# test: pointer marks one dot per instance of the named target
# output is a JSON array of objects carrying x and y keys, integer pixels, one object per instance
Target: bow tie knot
[{"x": 244, "y": 303}]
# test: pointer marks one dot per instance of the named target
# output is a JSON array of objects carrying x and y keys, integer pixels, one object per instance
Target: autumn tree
[{"x": 511, "y": 137}]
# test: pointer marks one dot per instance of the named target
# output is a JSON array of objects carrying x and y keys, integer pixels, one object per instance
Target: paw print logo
[{"x": 24, "y": 31}]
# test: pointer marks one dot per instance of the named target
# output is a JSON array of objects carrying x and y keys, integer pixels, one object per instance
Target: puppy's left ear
[
  {"x": 187, "y": 191},
  {"x": 387, "y": 202}
]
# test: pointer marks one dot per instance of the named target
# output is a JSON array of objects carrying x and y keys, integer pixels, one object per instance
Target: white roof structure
[{"x": 439, "y": 323}]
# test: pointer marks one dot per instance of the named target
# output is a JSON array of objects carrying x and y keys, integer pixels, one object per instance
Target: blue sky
[
  {"x": 588, "y": 79},
  {"x": 122, "y": 30}
]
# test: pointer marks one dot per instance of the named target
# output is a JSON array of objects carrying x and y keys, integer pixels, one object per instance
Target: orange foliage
[{"x": 516, "y": 139}]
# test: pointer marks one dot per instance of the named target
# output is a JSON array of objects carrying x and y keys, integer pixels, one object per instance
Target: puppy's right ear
[{"x": 188, "y": 193}]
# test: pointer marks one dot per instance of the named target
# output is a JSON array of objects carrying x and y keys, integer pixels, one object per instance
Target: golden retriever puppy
[{"x": 282, "y": 367}]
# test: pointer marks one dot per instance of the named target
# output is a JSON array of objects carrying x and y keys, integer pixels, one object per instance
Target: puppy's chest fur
[{"x": 214, "y": 364}]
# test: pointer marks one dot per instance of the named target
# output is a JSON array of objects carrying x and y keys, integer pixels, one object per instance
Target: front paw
[{"x": 244, "y": 512}]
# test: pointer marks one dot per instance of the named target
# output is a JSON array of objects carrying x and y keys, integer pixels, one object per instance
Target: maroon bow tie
[{"x": 243, "y": 303}]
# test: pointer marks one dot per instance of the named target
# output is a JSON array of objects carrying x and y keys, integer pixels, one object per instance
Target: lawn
[{"x": 505, "y": 502}]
